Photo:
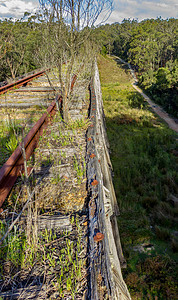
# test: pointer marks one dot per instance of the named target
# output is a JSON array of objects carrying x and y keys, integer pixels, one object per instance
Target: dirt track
[{"x": 156, "y": 108}]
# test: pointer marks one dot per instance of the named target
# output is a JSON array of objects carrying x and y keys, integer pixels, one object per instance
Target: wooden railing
[{"x": 105, "y": 252}]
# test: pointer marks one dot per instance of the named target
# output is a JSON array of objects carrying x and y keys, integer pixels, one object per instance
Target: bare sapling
[{"x": 68, "y": 25}]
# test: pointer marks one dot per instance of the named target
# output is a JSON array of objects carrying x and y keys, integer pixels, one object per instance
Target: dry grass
[{"x": 56, "y": 260}]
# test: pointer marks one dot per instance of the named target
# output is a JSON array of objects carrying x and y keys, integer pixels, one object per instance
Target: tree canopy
[
  {"x": 19, "y": 42},
  {"x": 63, "y": 29},
  {"x": 150, "y": 47}
]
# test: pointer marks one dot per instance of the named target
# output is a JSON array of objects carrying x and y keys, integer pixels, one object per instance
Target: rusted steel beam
[
  {"x": 15, "y": 164},
  {"x": 5, "y": 88}
]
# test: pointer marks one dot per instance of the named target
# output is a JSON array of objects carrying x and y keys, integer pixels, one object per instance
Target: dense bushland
[
  {"x": 151, "y": 48},
  {"x": 19, "y": 45},
  {"x": 143, "y": 153}
]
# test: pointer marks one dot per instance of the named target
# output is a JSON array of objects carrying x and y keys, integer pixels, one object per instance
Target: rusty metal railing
[
  {"x": 15, "y": 164},
  {"x": 7, "y": 87}
]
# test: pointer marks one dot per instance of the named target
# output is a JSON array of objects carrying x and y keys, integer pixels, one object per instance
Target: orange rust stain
[
  {"x": 94, "y": 182},
  {"x": 98, "y": 237}
]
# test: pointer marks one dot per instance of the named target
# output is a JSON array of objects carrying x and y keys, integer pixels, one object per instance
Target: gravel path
[{"x": 158, "y": 110}]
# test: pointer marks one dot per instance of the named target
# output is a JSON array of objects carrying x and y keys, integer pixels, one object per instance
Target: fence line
[{"x": 105, "y": 252}]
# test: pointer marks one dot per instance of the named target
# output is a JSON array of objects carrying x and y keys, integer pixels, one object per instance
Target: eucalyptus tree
[
  {"x": 18, "y": 43},
  {"x": 68, "y": 26}
]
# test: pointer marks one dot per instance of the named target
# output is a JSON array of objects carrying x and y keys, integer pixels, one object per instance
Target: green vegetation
[
  {"x": 63, "y": 265},
  {"x": 143, "y": 148},
  {"x": 151, "y": 48},
  {"x": 145, "y": 179},
  {"x": 80, "y": 168},
  {"x": 8, "y": 139},
  {"x": 18, "y": 47},
  {"x": 11, "y": 128},
  {"x": 54, "y": 257}
]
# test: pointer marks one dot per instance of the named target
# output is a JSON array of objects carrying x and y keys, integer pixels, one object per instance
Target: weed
[
  {"x": 65, "y": 139},
  {"x": 9, "y": 131},
  {"x": 70, "y": 265},
  {"x": 12, "y": 144},
  {"x": 11, "y": 251},
  {"x": 63, "y": 154},
  {"x": 17, "y": 253},
  {"x": 55, "y": 136},
  {"x": 79, "y": 124},
  {"x": 80, "y": 168}
]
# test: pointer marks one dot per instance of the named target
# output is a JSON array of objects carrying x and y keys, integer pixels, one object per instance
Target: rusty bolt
[
  {"x": 94, "y": 182},
  {"x": 92, "y": 155},
  {"x": 96, "y": 133},
  {"x": 99, "y": 160},
  {"x": 98, "y": 237},
  {"x": 94, "y": 109},
  {"x": 91, "y": 125}
]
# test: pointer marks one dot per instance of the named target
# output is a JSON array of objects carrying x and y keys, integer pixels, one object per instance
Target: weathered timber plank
[
  {"x": 52, "y": 222},
  {"x": 30, "y": 292},
  {"x": 105, "y": 255}
]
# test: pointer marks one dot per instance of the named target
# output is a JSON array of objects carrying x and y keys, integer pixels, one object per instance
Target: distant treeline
[
  {"x": 37, "y": 41},
  {"x": 19, "y": 43},
  {"x": 150, "y": 47}
]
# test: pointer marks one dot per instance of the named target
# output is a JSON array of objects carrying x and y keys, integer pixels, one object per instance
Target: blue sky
[{"x": 141, "y": 9}]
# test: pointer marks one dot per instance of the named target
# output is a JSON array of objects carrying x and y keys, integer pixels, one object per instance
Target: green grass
[
  {"x": 8, "y": 139},
  {"x": 16, "y": 254},
  {"x": 145, "y": 176},
  {"x": 11, "y": 128}
]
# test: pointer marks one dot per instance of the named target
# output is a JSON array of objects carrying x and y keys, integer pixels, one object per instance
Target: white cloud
[
  {"x": 16, "y": 9},
  {"x": 140, "y": 9}
]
